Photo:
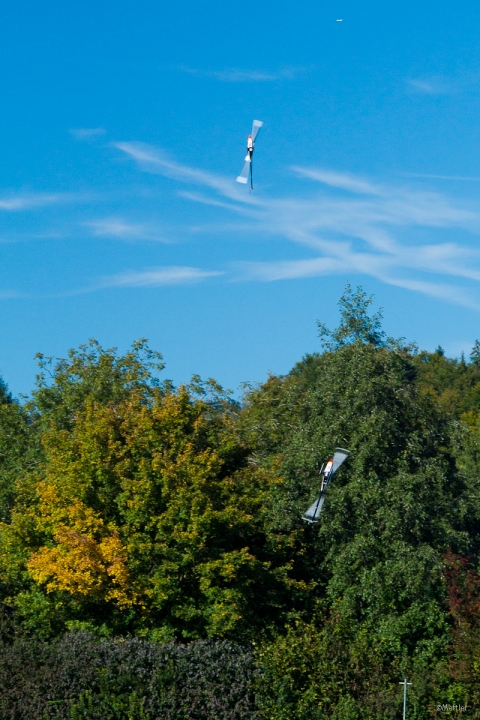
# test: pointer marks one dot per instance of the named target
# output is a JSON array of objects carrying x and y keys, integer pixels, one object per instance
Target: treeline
[{"x": 140, "y": 520}]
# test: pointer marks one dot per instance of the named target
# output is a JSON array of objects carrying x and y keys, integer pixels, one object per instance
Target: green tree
[
  {"x": 138, "y": 507},
  {"x": 18, "y": 448},
  {"x": 356, "y": 325},
  {"x": 392, "y": 512},
  {"x": 65, "y": 385},
  {"x": 5, "y": 395},
  {"x": 452, "y": 383},
  {"x": 475, "y": 354}
]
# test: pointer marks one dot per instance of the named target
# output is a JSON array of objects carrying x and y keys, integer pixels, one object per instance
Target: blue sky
[{"x": 123, "y": 127}]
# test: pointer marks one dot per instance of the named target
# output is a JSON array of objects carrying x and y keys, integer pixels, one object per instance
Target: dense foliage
[
  {"x": 133, "y": 509},
  {"x": 80, "y": 677}
]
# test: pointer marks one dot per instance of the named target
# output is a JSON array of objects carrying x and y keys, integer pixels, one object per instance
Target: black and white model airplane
[
  {"x": 247, "y": 167},
  {"x": 327, "y": 472}
]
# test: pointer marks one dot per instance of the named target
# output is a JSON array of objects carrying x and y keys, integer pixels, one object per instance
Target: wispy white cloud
[
  {"x": 379, "y": 268},
  {"x": 118, "y": 228},
  {"x": 148, "y": 278},
  {"x": 350, "y": 224},
  {"x": 444, "y": 85},
  {"x": 236, "y": 75},
  {"x": 29, "y": 201},
  {"x": 87, "y": 133},
  {"x": 291, "y": 269},
  {"x": 156, "y": 161},
  {"x": 440, "y": 291},
  {"x": 435, "y": 85},
  {"x": 460, "y": 178},
  {"x": 158, "y": 276},
  {"x": 343, "y": 181}
]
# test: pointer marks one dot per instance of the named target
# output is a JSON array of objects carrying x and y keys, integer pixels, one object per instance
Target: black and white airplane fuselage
[
  {"x": 327, "y": 472},
  {"x": 247, "y": 167}
]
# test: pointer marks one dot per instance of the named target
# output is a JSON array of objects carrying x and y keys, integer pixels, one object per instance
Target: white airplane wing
[
  {"x": 243, "y": 177},
  {"x": 257, "y": 124},
  {"x": 314, "y": 510},
  {"x": 339, "y": 456}
]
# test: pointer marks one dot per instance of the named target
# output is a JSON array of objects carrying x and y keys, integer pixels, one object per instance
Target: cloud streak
[
  {"x": 116, "y": 227},
  {"x": 443, "y": 85},
  {"x": 454, "y": 178},
  {"x": 154, "y": 277},
  {"x": 348, "y": 225},
  {"x": 158, "y": 277},
  {"x": 343, "y": 181},
  {"x": 153, "y": 160},
  {"x": 10, "y": 294},
  {"x": 87, "y": 133},
  {"x": 235, "y": 75},
  {"x": 30, "y": 201}
]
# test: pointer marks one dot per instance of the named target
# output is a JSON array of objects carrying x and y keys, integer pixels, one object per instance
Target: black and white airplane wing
[
  {"x": 314, "y": 510},
  {"x": 243, "y": 177},
  {"x": 247, "y": 167},
  {"x": 339, "y": 457}
]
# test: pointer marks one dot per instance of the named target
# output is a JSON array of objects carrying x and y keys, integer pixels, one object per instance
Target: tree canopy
[{"x": 132, "y": 506}]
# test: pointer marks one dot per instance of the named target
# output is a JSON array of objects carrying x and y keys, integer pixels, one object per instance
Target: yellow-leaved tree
[{"x": 144, "y": 513}]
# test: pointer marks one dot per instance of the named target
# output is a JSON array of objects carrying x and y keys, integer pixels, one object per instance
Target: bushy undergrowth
[{"x": 80, "y": 677}]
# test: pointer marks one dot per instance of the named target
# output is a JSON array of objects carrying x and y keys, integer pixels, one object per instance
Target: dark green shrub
[{"x": 80, "y": 677}]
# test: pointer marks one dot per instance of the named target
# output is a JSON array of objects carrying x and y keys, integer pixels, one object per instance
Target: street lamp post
[{"x": 404, "y": 683}]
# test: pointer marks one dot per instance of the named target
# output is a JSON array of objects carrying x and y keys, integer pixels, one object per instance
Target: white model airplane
[
  {"x": 247, "y": 167},
  {"x": 327, "y": 471}
]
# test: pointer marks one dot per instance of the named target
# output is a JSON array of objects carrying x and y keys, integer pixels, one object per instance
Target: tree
[
  {"x": 475, "y": 354},
  {"x": 5, "y": 395},
  {"x": 91, "y": 373},
  {"x": 18, "y": 447},
  {"x": 356, "y": 325},
  {"x": 397, "y": 505},
  {"x": 177, "y": 513},
  {"x": 145, "y": 514}
]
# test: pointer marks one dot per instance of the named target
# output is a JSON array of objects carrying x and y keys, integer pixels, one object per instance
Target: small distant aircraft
[
  {"x": 327, "y": 471},
  {"x": 247, "y": 168}
]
